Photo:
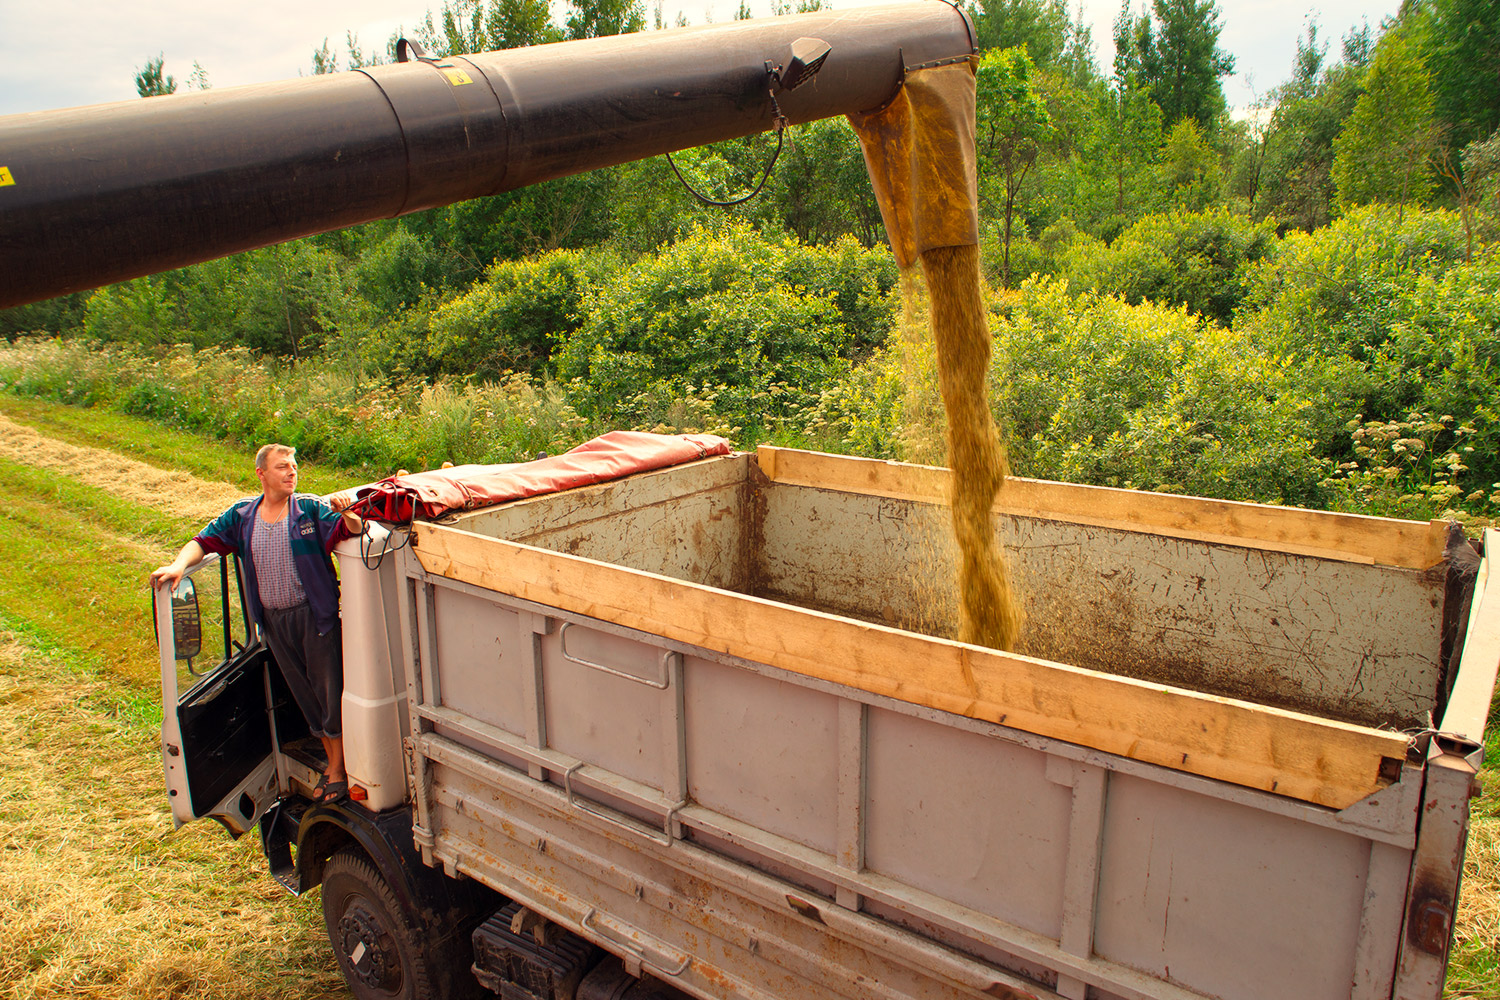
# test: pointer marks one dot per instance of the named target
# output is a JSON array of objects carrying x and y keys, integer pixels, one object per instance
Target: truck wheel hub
[{"x": 368, "y": 949}]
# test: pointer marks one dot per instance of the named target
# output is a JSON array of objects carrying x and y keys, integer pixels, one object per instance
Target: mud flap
[{"x": 278, "y": 826}]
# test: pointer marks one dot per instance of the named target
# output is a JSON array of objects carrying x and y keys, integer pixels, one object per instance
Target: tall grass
[{"x": 331, "y": 413}]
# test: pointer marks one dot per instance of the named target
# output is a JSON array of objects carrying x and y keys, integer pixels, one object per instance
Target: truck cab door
[{"x": 218, "y": 744}]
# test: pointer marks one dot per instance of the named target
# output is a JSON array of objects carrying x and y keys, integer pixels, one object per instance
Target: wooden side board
[
  {"x": 1315, "y": 760},
  {"x": 1469, "y": 702},
  {"x": 1346, "y": 537}
]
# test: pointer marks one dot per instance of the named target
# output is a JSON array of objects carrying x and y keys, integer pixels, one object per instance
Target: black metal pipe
[{"x": 115, "y": 191}]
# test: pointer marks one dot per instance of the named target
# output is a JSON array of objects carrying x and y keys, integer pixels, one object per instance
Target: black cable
[
  {"x": 366, "y": 544},
  {"x": 780, "y": 123}
]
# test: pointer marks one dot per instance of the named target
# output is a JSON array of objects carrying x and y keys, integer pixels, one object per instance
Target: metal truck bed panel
[
  {"x": 753, "y": 799},
  {"x": 1331, "y": 763},
  {"x": 685, "y": 522},
  {"x": 1224, "y": 619},
  {"x": 1355, "y": 641},
  {"x": 1023, "y": 855}
]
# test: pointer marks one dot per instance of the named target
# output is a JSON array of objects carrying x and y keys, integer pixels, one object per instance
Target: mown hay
[
  {"x": 176, "y": 493},
  {"x": 98, "y": 897}
]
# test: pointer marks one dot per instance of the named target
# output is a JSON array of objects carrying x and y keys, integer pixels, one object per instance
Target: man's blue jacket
[{"x": 315, "y": 529}]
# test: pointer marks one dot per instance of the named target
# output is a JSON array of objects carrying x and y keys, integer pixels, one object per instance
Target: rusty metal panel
[
  {"x": 683, "y": 522},
  {"x": 868, "y": 557},
  {"x": 1432, "y": 893},
  {"x": 1359, "y": 643},
  {"x": 763, "y": 751},
  {"x": 968, "y": 818},
  {"x": 1222, "y": 898},
  {"x": 1380, "y": 927}
]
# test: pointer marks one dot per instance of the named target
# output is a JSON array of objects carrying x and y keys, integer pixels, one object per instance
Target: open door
[{"x": 217, "y": 733}]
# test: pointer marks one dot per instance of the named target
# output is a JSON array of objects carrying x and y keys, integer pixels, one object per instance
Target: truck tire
[{"x": 383, "y": 952}]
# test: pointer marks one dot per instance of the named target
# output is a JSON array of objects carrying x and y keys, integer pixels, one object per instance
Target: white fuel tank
[{"x": 375, "y": 704}]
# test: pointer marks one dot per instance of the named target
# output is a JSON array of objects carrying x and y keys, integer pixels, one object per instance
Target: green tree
[
  {"x": 1462, "y": 45},
  {"x": 1296, "y": 177},
  {"x": 1475, "y": 178},
  {"x": 1040, "y": 26},
  {"x": 1382, "y": 154},
  {"x": 140, "y": 311},
  {"x": 598, "y": 18},
  {"x": 477, "y": 26},
  {"x": 1013, "y": 128},
  {"x": 152, "y": 82},
  {"x": 1180, "y": 61},
  {"x": 781, "y": 8},
  {"x": 1189, "y": 168},
  {"x": 1124, "y": 130},
  {"x": 820, "y": 189},
  {"x": 52, "y": 316},
  {"x": 324, "y": 60}
]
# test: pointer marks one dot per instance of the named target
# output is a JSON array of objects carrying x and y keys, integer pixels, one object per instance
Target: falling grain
[{"x": 988, "y": 612}]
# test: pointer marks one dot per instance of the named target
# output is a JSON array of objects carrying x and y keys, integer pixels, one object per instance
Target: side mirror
[{"x": 187, "y": 622}]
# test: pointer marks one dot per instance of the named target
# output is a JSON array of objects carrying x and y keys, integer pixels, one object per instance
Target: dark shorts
[{"x": 312, "y": 664}]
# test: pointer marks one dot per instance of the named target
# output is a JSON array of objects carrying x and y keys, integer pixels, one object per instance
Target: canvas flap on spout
[{"x": 919, "y": 150}]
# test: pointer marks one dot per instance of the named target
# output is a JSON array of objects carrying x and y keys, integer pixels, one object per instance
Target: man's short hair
[{"x": 263, "y": 457}]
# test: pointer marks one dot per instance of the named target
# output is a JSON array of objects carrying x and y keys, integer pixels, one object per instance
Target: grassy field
[{"x": 99, "y": 897}]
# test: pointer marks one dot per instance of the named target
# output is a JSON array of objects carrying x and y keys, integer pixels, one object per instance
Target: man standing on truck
[{"x": 283, "y": 540}]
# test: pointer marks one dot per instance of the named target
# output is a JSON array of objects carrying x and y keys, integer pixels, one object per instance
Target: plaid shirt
[{"x": 280, "y": 586}]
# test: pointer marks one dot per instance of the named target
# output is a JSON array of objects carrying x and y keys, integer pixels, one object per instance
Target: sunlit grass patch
[
  {"x": 1474, "y": 965},
  {"x": 73, "y": 574},
  {"x": 97, "y": 896}
]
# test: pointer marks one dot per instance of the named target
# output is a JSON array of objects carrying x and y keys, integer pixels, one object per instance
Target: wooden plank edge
[
  {"x": 1316, "y": 760},
  {"x": 1355, "y": 538},
  {"x": 1469, "y": 702}
]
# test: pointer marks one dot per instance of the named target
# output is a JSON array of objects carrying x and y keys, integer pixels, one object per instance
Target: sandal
[
  {"x": 336, "y": 791},
  {"x": 318, "y": 789}
]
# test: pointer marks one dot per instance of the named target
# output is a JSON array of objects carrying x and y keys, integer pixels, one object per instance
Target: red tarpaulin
[{"x": 465, "y": 487}]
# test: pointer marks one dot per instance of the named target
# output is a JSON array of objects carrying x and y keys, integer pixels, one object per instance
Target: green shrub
[
  {"x": 395, "y": 272},
  {"x": 1387, "y": 321},
  {"x": 729, "y": 308},
  {"x": 515, "y": 318},
  {"x": 1093, "y": 390},
  {"x": 1200, "y": 260},
  {"x": 1320, "y": 294},
  {"x": 1026, "y": 255}
]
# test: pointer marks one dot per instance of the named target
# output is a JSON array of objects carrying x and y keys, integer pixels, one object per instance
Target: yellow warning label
[
  {"x": 457, "y": 77},
  {"x": 5, "y": 177}
]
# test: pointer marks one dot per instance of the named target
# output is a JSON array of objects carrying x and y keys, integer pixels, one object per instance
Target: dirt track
[{"x": 176, "y": 493}]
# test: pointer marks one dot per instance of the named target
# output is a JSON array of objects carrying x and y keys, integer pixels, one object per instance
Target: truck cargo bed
[{"x": 709, "y": 717}]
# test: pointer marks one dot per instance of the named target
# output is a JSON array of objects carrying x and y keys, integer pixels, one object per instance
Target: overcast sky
[{"x": 63, "y": 53}]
